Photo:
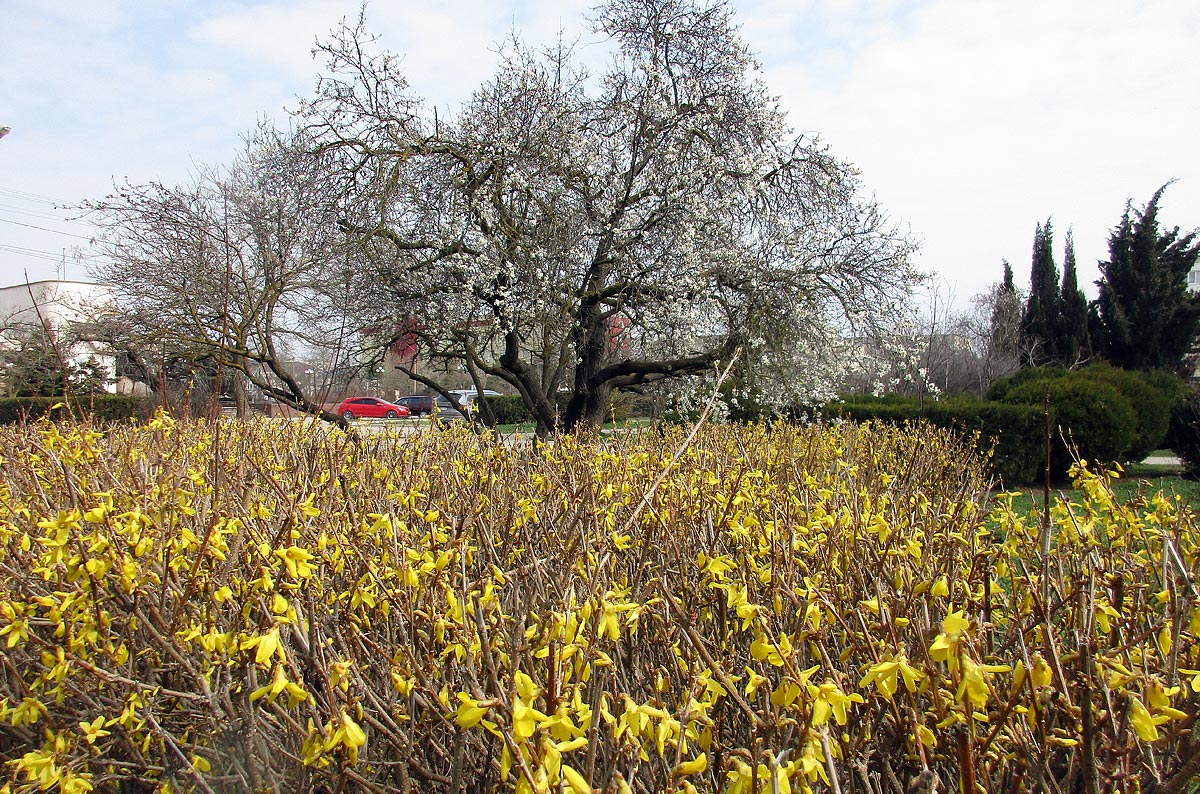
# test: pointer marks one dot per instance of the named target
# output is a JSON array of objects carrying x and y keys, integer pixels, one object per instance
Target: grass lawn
[{"x": 1138, "y": 478}]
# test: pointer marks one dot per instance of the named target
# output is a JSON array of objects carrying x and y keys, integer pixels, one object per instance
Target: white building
[
  {"x": 1193, "y": 283},
  {"x": 61, "y": 309}
]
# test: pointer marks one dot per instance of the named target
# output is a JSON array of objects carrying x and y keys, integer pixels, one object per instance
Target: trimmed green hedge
[
  {"x": 102, "y": 407},
  {"x": 1000, "y": 389},
  {"x": 1149, "y": 398},
  {"x": 509, "y": 409},
  {"x": 1113, "y": 414},
  {"x": 1013, "y": 433},
  {"x": 1098, "y": 421}
]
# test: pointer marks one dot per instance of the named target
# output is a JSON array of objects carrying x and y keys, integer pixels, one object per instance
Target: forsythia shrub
[{"x": 267, "y": 606}]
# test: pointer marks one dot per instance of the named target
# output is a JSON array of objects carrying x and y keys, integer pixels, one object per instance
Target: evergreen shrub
[
  {"x": 102, "y": 407},
  {"x": 1090, "y": 418},
  {"x": 1151, "y": 405},
  {"x": 509, "y": 409},
  {"x": 1001, "y": 388},
  {"x": 1185, "y": 431},
  {"x": 1012, "y": 433}
]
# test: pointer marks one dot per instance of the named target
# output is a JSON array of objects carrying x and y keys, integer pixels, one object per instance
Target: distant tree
[
  {"x": 32, "y": 365},
  {"x": 40, "y": 358},
  {"x": 1145, "y": 316},
  {"x": 1040, "y": 321},
  {"x": 1004, "y": 327},
  {"x": 1073, "y": 344},
  {"x": 220, "y": 281}
]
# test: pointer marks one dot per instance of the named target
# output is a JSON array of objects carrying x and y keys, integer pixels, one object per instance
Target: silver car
[{"x": 463, "y": 407}]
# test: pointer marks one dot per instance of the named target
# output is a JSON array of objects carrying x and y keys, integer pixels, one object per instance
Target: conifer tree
[
  {"x": 1005, "y": 326},
  {"x": 1145, "y": 315},
  {"x": 1039, "y": 323},
  {"x": 1074, "y": 345}
]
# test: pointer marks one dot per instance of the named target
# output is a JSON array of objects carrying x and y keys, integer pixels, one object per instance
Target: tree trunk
[{"x": 590, "y": 399}]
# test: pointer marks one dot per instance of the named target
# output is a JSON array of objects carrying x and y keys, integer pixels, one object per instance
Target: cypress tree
[
  {"x": 1039, "y": 323},
  {"x": 1074, "y": 345},
  {"x": 1005, "y": 325},
  {"x": 1145, "y": 315}
]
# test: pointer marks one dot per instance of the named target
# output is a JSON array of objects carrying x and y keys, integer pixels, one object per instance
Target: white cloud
[
  {"x": 975, "y": 120},
  {"x": 972, "y": 120},
  {"x": 275, "y": 37}
]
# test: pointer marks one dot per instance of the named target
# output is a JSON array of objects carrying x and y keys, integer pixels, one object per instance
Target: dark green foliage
[
  {"x": 1144, "y": 404},
  {"x": 509, "y": 409},
  {"x": 102, "y": 407},
  {"x": 1185, "y": 431},
  {"x": 1001, "y": 388},
  {"x": 1054, "y": 324},
  {"x": 1004, "y": 325},
  {"x": 1088, "y": 417},
  {"x": 1073, "y": 344},
  {"x": 1177, "y": 390},
  {"x": 1012, "y": 433},
  {"x": 1151, "y": 405},
  {"x": 33, "y": 368},
  {"x": 1144, "y": 317},
  {"x": 1175, "y": 387},
  {"x": 1040, "y": 321}
]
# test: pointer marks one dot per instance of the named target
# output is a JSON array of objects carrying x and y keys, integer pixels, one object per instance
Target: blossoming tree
[{"x": 573, "y": 234}]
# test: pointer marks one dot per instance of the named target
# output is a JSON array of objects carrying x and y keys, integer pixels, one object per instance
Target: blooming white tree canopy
[{"x": 576, "y": 234}]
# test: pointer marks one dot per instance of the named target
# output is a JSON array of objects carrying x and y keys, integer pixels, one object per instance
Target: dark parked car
[
  {"x": 370, "y": 407},
  {"x": 417, "y": 404}
]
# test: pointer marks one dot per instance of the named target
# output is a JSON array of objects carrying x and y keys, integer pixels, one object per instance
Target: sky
[{"x": 971, "y": 121}]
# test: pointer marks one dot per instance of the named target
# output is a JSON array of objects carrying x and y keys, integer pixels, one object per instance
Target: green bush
[
  {"x": 1180, "y": 392},
  {"x": 509, "y": 409},
  {"x": 1151, "y": 405},
  {"x": 1097, "y": 421},
  {"x": 1012, "y": 434},
  {"x": 102, "y": 407},
  {"x": 1185, "y": 430},
  {"x": 1150, "y": 395},
  {"x": 1001, "y": 388}
]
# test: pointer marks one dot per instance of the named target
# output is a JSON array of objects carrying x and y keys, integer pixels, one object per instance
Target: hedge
[
  {"x": 1013, "y": 433},
  {"x": 509, "y": 409},
  {"x": 1091, "y": 420},
  {"x": 1112, "y": 414},
  {"x": 103, "y": 407},
  {"x": 1150, "y": 400},
  {"x": 1185, "y": 431}
]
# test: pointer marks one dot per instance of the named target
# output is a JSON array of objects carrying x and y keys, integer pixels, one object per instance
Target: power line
[
  {"x": 27, "y": 196},
  {"x": 45, "y": 255},
  {"x": 48, "y": 255},
  {"x": 50, "y": 216},
  {"x": 44, "y": 229}
]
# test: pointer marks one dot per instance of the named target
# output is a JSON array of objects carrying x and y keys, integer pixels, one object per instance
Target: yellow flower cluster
[{"x": 267, "y": 606}]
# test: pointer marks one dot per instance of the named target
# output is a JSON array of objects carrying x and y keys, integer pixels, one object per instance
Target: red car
[{"x": 370, "y": 408}]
